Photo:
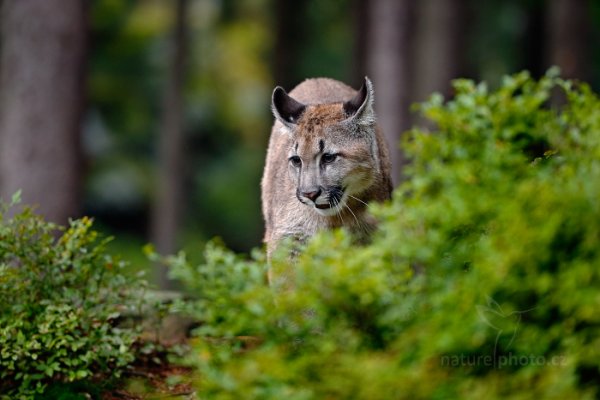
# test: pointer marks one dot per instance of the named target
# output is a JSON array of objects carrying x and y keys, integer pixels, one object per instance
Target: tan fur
[{"x": 362, "y": 164}]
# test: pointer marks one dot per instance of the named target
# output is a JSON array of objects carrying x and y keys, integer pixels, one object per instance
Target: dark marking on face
[
  {"x": 321, "y": 146},
  {"x": 296, "y": 147},
  {"x": 319, "y": 115}
]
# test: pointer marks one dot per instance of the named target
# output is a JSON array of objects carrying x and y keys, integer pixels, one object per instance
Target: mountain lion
[{"x": 326, "y": 160}]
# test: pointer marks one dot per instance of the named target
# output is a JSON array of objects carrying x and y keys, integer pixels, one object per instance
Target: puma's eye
[
  {"x": 328, "y": 158},
  {"x": 295, "y": 161}
]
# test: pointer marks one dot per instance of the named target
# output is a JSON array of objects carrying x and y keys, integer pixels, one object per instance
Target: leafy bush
[
  {"x": 482, "y": 282},
  {"x": 60, "y": 297}
]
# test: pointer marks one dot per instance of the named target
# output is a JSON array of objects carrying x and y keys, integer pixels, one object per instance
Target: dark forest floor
[{"x": 150, "y": 382}]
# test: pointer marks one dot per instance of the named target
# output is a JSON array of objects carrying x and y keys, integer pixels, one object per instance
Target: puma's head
[{"x": 333, "y": 153}]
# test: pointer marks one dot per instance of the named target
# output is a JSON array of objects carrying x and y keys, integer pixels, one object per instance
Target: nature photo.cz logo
[{"x": 506, "y": 324}]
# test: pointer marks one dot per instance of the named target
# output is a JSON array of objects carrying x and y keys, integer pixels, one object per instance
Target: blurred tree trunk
[
  {"x": 388, "y": 64},
  {"x": 533, "y": 38},
  {"x": 290, "y": 26},
  {"x": 41, "y": 103},
  {"x": 568, "y": 28},
  {"x": 166, "y": 213},
  {"x": 440, "y": 46},
  {"x": 360, "y": 15}
]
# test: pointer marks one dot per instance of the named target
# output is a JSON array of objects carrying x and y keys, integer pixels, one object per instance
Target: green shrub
[
  {"x": 60, "y": 297},
  {"x": 482, "y": 282}
]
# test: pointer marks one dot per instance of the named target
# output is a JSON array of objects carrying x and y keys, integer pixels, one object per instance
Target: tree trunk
[
  {"x": 532, "y": 39},
  {"x": 360, "y": 17},
  {"x": 166, "y": 214},
  {"x": 290, "y": 26},
  {"x": 440, "y": 46},
  {"x": 388, "y": 62},
  {"x": 41, "y": 103},
  {"x": 568, "y": 28}
]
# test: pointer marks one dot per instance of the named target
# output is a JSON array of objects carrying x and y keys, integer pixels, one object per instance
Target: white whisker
[
  {"x": 357, "y": 199},
  {"x": 354, "y": 215},
  {"x": 339, "y": 210}
]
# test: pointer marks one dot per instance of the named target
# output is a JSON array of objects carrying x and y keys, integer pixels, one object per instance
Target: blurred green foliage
[
  {"x": 482, "y": 281},
  {"x": 226, "y": 119},
  {"x": 60, "y": 299}
]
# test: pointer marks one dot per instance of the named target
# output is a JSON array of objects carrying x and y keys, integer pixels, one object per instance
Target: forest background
[{"x": 153, "y": 116}]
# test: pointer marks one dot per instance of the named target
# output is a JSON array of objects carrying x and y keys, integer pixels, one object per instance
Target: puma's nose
[{"x": 312, "y": 195}]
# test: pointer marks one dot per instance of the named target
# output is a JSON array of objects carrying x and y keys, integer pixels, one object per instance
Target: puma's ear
[
  {"x": 360, "y": 107},
  {"x": 286, "y": 109}
]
